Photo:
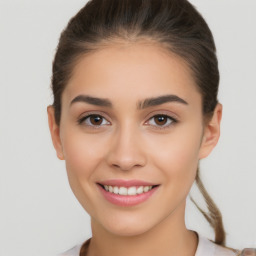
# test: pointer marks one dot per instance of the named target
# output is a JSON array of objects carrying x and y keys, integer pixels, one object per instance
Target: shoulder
[
  {"x": 72, "y": 252},
  {"x": 209, "y": 248},
  {"x": 205, "y": 247}
]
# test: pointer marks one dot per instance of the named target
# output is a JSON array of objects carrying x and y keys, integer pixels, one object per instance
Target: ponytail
[{"x": 214, "y": 216}]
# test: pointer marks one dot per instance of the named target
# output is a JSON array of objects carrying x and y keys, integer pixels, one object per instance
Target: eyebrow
[
  {"x": 160, "y": 100},
  {"x": 92, "y": 100},
  {"x": 146, "y": 103}
]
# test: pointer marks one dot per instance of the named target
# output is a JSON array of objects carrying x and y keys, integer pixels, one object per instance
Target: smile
[
  {"x": 125, "y": 195},
  {"x": 131, "y": 191}
]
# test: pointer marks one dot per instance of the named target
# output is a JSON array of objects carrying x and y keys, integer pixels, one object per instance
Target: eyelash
[{"x": 173, "y": 120}]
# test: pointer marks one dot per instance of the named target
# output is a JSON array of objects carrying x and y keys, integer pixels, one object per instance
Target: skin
[{"x": 129, "y": 145}]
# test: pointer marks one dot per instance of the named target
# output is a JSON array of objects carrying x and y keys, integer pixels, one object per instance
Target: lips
[{"x": 127, "y": 192}]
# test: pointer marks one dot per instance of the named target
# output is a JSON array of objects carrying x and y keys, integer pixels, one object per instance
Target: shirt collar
[{"x": 204, "y": 247}]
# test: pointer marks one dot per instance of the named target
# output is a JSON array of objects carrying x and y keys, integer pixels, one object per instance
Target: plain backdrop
[{"x": 39, "y": 215}]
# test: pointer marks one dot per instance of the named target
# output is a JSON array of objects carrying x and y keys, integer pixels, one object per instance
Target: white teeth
[
  {"x": 131, "y": 191},
  {"x": 140, "y": 190},
  {"x": 146, "y": 189},
  {"x": 123, "y": 191},
  {"x": 116, "y": 190}
]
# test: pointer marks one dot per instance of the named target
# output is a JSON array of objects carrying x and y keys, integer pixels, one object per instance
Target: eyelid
[
  {"x": 86, "y": 115},
  {"x": 165, "y": 114}
]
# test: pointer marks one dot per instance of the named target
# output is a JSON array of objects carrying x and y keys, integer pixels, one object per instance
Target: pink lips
[{"x": 127, "y": 200}]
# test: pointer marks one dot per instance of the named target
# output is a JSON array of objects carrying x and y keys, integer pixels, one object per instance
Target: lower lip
[{"x": 127, "y": 200}]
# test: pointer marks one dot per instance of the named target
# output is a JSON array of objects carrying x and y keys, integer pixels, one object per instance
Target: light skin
[{"x": 129, "y": 143}]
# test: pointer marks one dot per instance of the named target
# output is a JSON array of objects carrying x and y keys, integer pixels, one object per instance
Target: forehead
[{"x": 135, "y": 70}]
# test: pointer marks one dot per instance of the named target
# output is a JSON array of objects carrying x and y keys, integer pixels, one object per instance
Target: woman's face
[{"x": 131, "y": 113}]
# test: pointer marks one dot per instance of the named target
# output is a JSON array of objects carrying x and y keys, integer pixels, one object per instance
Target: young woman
[{"x": 135, "y": 108}]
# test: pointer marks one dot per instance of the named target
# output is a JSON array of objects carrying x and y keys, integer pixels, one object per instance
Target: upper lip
[{"x": 126, "y": 183}]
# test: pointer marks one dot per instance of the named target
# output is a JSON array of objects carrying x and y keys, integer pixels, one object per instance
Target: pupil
[
  {"x": 96, "y": 120},
  {"x": 161, "y": 120}
]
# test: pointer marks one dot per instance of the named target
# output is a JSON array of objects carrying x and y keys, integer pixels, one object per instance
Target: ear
[
  {"x": 55, "y": 132},
  {"x": 211, "y": 133}
]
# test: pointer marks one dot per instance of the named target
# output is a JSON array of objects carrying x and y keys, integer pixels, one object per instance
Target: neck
[{"x": 169, "y": 237}]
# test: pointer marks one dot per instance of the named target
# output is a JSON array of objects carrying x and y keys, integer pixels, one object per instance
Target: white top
[{"x": 205, "y": 248}]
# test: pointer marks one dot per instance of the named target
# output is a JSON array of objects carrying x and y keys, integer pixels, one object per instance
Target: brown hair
[
  {"x": 173, "y": 24},
  {"x": 214, "y": 216}
]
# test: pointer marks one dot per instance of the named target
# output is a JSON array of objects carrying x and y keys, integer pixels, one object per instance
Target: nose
[{"x": 126, "y": 149}]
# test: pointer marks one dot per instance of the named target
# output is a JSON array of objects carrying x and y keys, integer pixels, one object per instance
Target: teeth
[
  {"x": 116, "y": 190},
  {"x": 146, "y": 189},
  {"x": 140, "y": 190},
  {"x": 123, "y": 191},
  {"x": 131, "y": 191}
]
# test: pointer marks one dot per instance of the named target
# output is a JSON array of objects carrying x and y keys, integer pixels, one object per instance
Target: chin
[
  {"x": 127, "y": 231},
  {"x": 126, "y": 228}
]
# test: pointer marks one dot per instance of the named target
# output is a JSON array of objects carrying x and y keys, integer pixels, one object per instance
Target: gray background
[{"x": 38, "y": 213}]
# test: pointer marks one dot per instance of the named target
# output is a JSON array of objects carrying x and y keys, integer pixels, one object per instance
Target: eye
[
  {"x": 93, "y": 120},
  {"x": 161, "y": 121}
]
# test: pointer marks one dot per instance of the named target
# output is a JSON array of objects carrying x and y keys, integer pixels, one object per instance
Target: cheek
[
  {"x": 177, "y": 153},
  {"x": 82, "y": 153},
  {"x": 176, "y": 158}
]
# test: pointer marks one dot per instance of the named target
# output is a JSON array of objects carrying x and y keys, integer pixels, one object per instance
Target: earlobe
[
  {"x": 211, "y": 133},
  {"x": 55, "y": 132}
]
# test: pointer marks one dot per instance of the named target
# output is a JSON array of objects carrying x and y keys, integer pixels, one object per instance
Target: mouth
[
  {"x": 127, "y": 190},
  {"x": 127, "y": 193}
]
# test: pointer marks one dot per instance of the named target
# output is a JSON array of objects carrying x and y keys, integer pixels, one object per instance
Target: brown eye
[
  {"x": 93, "y": 120},
  {"x": 160, "y": 120}
]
